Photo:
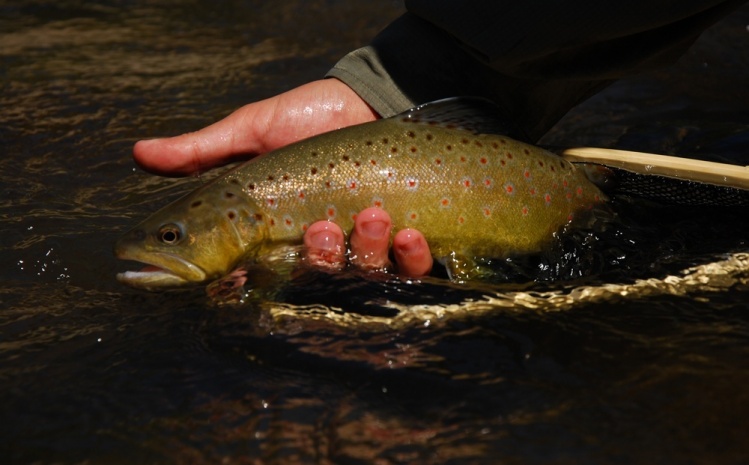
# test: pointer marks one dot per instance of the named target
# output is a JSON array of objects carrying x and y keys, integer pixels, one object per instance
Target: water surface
[{"x": 347, "y": 368}]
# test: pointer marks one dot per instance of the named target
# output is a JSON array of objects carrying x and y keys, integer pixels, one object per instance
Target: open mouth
[{"x": 161, "y": 270}]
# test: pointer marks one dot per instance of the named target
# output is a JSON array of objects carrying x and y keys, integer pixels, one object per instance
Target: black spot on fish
[
  {"x": 270, "y": 178},
  {"x": 464, "y": 140},
  {"x": 345, "y": 158},
  {"x": 314, "y": 154},
  {"x": 369, "y": 142},
  {"x": 449, "y": 147},
  {"x": 251, "y": 186},
  {"x": 411, "y": 134},
  {"x": 235, "y": 181},
  {"x": 196, "y": 204},
  {"x": 331, "y": 165},
  {"x": 258, "y": 216},
  {"x": 430, "y": 137},
  {"x": 229, "y": 195},
  {"x": 385, "y": 140},
  {"x": 285, "y": 177},
  {"x": 314, "y": 170},
  {"x": 231, "y": 215},
  {"x": 394, "y": 149},
  {"x": 413, "y": 149}
]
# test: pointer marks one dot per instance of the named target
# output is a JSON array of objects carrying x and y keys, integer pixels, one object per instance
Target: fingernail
[
  {"x": 324, "y": 240},
  {"x": 411, "y": 245},
  {"x": 374, "y": 229}
]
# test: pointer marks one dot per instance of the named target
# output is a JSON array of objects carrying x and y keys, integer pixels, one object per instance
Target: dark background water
[{"x": 96, "y": 373}]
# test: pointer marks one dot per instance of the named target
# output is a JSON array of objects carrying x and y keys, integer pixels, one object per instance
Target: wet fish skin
[{"x": 472, "y": 194}]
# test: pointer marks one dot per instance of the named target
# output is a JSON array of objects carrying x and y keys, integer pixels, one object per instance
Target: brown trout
[{"x": 440, "y": 168}]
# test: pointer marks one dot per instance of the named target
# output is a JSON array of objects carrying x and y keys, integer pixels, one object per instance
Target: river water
[{"x": 632, "y": 346}]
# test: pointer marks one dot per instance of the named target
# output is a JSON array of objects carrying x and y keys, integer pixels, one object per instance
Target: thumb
[{"x": 256, "y": 128}]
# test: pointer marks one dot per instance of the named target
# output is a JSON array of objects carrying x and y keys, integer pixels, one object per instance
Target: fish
[{"x": 446, "y": 168}]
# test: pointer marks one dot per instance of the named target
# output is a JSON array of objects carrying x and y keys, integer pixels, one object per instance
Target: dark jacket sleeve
[{"x": 535, "y": 58}]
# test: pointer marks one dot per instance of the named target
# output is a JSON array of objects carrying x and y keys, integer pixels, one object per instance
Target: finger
[
  {"x": 256, "y": 128},
  {"x": 324, "y": 245},
  {"x": 412, "y": 253},
  {"x": 239, "y": 134},
  {"x": 370, "y": 239}
]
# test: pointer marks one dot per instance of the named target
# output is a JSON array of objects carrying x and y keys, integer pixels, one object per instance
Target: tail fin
[{"x": 663, "y": 179}]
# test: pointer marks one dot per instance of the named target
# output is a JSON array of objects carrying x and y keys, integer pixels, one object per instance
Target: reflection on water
[{"x": 347, "y": 369}]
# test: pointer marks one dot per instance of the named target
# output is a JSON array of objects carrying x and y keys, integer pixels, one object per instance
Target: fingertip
[
  {"x": 412, "y": 253},
  {"x": 160, "y": 156},
  {"x": 324, "y": 245}
]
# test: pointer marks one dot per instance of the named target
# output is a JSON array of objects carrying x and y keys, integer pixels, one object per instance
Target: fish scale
[{"x": 471, "y": 193}]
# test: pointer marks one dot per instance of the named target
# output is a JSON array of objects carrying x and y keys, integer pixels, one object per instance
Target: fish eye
[{"x": 170, "y": 234}]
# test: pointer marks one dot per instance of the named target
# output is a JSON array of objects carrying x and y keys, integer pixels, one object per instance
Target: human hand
[
  {"x": 260, "y": 127},
  {"x": 325, "y": 245}
]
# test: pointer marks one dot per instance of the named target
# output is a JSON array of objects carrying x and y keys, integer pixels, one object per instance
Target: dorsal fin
[{"x": 474, "y": 114}]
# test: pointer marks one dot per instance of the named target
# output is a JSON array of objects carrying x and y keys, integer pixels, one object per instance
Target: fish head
[{"x": 191, "y": 241}]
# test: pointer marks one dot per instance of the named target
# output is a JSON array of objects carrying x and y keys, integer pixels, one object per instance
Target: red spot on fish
[
  {"x": 331, "y": 212},
  {"x": 483, "y": 160},
  {"x": 532, "y": 191},
  {"x": 461, "y": 220},
  {"x": 466, "y": 182},
  {"x": 579, "y": 191},
  {"x": 301, "y": 195},
  {"x": 413, "y": 216},
  {"x": 487, "y": 212},
  {"x": 570, "y": 217},
  {"x": 352, "y": 184},
  {"x": 525, "y": 211},
  {"x": 438, "y": 161},
  {"x": 527, "y": 174},
  {"x": 377, "y": 202},
  {"x": 327, "y": 184},
  {"x": 305, "y": 226},
  {"x": 565, "y": 183},
  {"x": 445, "y": 202},
  {"x": 509, "y": 188},
  {"x": 412, "y": 184},
  {"x": 568, "y": 195},
  {"x": 271, "y": 202},
  {"x": 373, "y": 162},
  {"x": 488, "y": 182},
  {"x": 272, "y": 222},
  {"x": 288, "y": 221},
  {"x": 547, "y": 199}
]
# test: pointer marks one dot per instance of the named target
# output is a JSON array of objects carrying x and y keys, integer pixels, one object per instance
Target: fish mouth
[{"x": 161, "y": 270}]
